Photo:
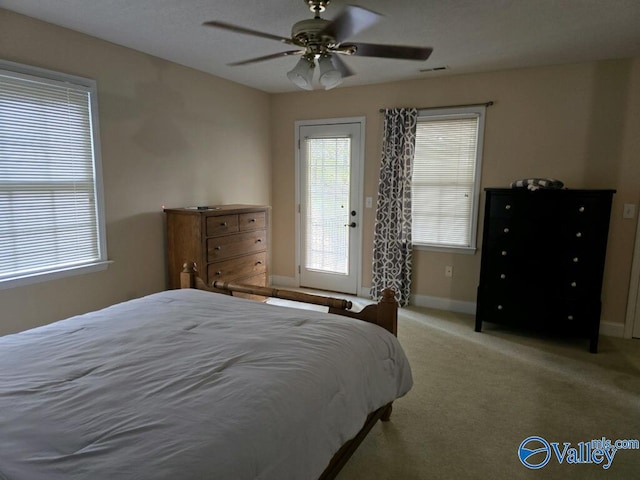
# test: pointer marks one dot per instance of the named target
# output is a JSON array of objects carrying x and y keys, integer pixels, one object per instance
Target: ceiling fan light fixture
[
  {"x": 330, "y": 76},
  {"x": 317, "y": 6},
  {"x": 302, "y": 74},
  {"x": 317, "y": 39}
]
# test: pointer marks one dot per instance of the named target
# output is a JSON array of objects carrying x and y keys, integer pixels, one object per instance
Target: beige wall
[
  {"x": 174, "y": 136},
  {"x": 170, "y": 136},
  {"x": 579, "y": 123}
]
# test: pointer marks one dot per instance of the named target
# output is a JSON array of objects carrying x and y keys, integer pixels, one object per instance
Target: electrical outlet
[
  {"x": 448, "y": 271},
  {"x": 629, "y": 210},
  {"x": 368, "y": 202}
]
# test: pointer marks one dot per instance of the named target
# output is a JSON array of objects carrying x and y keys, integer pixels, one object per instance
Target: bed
[{"x": 189, "y": 384}]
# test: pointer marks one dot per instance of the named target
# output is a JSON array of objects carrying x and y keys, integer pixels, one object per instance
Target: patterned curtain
[{"x": 392, "y": 236}]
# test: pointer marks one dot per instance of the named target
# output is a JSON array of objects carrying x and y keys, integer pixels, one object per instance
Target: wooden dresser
[
  {"x": 227, "y": 243},
  {"x": 542, "y": 262}
]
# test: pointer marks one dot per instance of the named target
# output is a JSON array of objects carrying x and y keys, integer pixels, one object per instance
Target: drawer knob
[
  {"x": 252, "y": 220},
  {"x": 569, "y": 317},
  {"x": 223, "y": 224},
  {"x": 503, "y": 276},
  {"x": 506, "y": 230},
  {"x": 499, "y": 307},
  {"x": 581, "y": 209},
  {"x": 504, "y": 253},
  {"x": 574, "y": 284},
  {"x": 259, "y": 262},
  {"x": 507, "y": 207},
  {"x": 219, "y": 272},
  {"x": 575, "y": 259},
  {"x": 259, "y": 240},
  {"x": 217, "y": 247},
  {"x": 579, "y": 234}
]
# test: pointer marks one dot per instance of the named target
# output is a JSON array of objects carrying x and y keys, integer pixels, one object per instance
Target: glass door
[{"x": 329, "y": 216}]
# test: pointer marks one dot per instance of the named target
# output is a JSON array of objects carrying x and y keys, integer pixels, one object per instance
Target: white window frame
[
  {"x": 51, "y": 273},
  {"x": 465, "y": 111}
]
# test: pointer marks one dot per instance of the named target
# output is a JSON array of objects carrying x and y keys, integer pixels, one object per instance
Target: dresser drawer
[
  {"x": 499, "y": 309},
  {"x": 584, "y": 235},
  {"x": 505, "y": 206},
  {"x": 252, "y": 221},
  {"x": 505, "y": 229},
  {"x": 221, "y": 248},
  {"x": 230, "y": 270},
  {"x": 219, "y": 225},
  {"x": 585, "y": 208},
  {"x": 574, "y": 315},
  {"x": 576, "y": 286},
  {"x": 506, "y": 280}
]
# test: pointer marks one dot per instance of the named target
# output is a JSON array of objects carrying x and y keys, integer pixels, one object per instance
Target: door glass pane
[{"x": 328, "y": 167}]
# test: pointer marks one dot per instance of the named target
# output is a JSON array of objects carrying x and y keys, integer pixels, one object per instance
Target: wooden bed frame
[{"x": 384, "y": 314}]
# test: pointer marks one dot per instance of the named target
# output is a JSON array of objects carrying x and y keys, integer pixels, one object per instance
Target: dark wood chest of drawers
[
  {"x": 227, "y": 243},
  {"x": 542, "y": 260}
]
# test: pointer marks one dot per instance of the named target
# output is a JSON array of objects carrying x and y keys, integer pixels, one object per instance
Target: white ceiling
[{"x": 466, "y": 35}]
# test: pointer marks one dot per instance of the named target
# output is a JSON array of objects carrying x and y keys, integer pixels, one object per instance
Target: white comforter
[{"x": 191, "y": 385}]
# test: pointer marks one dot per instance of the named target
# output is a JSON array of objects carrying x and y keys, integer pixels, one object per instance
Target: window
[
  {"x": 328, "y": 169},
  {"x": 51, "y": 212},
  {"x": 446, "y": 178}
]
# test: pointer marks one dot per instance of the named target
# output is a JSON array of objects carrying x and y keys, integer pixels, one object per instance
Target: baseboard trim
[
  {"x": 438, "y": 303},
  {"x": 365, "y": 292},
  {"x": 292, "y": 282},
  {"x": 441, "y": 303},
  {"x": 611, "y": 329},
  {"x": 608, "y": 329}
]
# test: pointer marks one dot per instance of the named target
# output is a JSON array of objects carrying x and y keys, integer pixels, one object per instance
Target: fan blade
[
  {"x": 247, "y": 31},
  {"x": 267, "y": 57},
  {"x": 389, "y": 51},
  {"x": 351, "y": 21},
  {"x": 342, "y": 67}
]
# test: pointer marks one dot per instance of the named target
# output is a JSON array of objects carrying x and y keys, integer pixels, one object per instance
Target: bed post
[
  {"x": 388, "y": 318},
  {"x": 388, "y": 311},
  {"x": 187, "y": 276}
]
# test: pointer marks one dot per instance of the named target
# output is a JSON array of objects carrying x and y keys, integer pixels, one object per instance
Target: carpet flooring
[{"x": 478, "y": 396}]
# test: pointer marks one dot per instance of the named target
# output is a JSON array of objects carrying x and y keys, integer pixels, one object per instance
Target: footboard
[{"x": 384, "y": 313}]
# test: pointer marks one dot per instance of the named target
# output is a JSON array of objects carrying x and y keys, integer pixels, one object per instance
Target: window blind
[
  {"x": 48, "y": 200},
  {"x": 444, "y": 179},
  {"x": 328, "y": 177}
]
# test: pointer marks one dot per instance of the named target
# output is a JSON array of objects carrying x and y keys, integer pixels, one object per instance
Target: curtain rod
[{"x": 486, "y": 104}]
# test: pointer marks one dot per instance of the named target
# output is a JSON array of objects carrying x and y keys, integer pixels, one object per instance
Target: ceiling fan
[{"x": 324, "y": 41}]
